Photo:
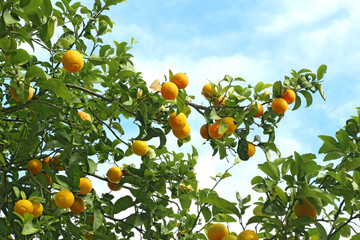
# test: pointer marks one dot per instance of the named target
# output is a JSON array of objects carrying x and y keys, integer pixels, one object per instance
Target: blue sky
[{"x": 258, "y": 41}]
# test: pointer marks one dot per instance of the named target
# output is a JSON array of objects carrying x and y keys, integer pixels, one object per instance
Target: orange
[
  {"x": 177, "y": 122},
  {"x": 169, "y": 90},
  {"x": 204, "y": 131},
  {"x": 181, "y": 80},
  {"x": 57, "y": 163},
  {"x": 114, "y": 174},
  {"x": 16, "y": 97},
  {"x": 260, "y": 109},
  {"x": 72, "y": 61},
  {"x": 64, "y": 199},
  {"x": 78, "y": 206},
  {"x": 214, "y": 131},
  {"x": 279, "y": 105},
  {"x": 248, "y": 235},
  {"x": 303, "y": 207},
  {"x": 88, "y": 236},
  {"x": 289, "y": 96},
  {"x": 182, "y": 133},
  {"x": 231, "y": 125},
  {"x": 217, "y": 231},
  {"x": 35, "y": 166},
  {"x": 251, "y": 149},
  {"x": 140, "y": 148},
  {"x": 23, "y": 206},
  {"x": 85, "y": 186},
  {"x": 84, "y": 116},
  {"x": 208, "y": 92},
  {"x": 50, "y": 181},
  {"x": 220, "y": 100},
  {"x": 113, "y": 186},
  {"x": 37, "y": 209}
]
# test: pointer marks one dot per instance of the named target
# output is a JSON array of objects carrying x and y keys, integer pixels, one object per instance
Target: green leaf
[
  {"x": 123, "y": 203},
  {"x": 185, "y": 201},
  {"x": 206, "y": 213},
  {"x": 2, "y": 160},
  {"x": 56, "y": 86},
  {"x": 344, "y": 139},
  {"x": 29, "y": 228},
  {"x": 273, "y": 208},
  {"x": 277, "y": 87},
  {"x": 352, "y": 163},
  {"x": 321, "y": 71},
  {"x": 270, "y": 169},
  {"x": 32, "y": 6},
  {"x": 18, "y": 56},
  {"x": 242, "y": 150},
  {"x": 98, "y": 218},
  {"x": 222, "y": 203},
  {"x": 35, "y": 72},
  {"x": 308, "y": 97},
  {"x": 321, "y": 231}
]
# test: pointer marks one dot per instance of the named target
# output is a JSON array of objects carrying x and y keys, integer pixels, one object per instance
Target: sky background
[{"x": 255, "y": 40}]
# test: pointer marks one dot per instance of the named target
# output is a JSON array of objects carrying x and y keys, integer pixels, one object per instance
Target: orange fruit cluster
[
  {"x": 180, "y": 126},
  {"x": 280, "y": 105},
  {"x": 66, "y": 199},
  {"x": 25, "y": 206},
  {"x": 114, "y": 176},
  {"x": 170, "y": 90},
  {"x": 219, "y": 231}
]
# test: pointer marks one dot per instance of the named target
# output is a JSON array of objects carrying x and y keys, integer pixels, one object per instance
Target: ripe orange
[
  {"x": 84, "y": 116},
  {"x": 113, "y": 186},
  {"x": 204, "y": 131},
  {"x": 220, "y": 100},
  {"x": 169, "y": 90},
  {"x": 177, "y": 122},
  {"x": 37, "y": 209},
  {"x": 114, "y": 174},
  {"x": 182, "y": 133},
  {"x": 214, "y": 131},
  {"x": 16, "y": 97},
  {"x": 85, "y": 186},
  {"x": 78, "y": 206},
  {"x": 217, "y": 231},
  {"x": 251, "y": 149},
  {"x": 303, "y": 207},
  {"x": 208, "y": 92},
  {"x": 181, "y": 80},
  {"x": 64, "y": 199},
  {"x": 248, "y": 235},
  {"x": 289, "y": 95},
  {"x": 140, "y": 148},
  {"x": 35, "y": 166},
  {"x": 72, "y": 61},
  {"x": 279, "y": 105},
  {"x": 231, "y": 125},
  {"x": 23, "y": 206},
  {"x": 260, "y": 109}
]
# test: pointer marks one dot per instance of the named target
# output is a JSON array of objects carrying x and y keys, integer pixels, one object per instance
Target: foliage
[{"x": 107, "y": 88}]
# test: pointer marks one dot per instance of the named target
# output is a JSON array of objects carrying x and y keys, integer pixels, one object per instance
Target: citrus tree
[{"x": 62, "y": 117}]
